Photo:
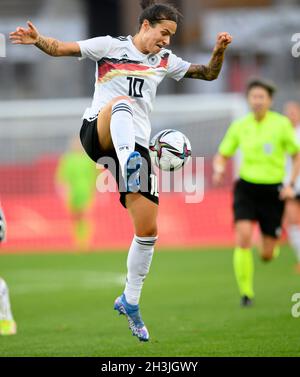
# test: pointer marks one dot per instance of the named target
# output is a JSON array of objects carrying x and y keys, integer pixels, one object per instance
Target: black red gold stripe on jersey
[{"x": 107, "y": 66}]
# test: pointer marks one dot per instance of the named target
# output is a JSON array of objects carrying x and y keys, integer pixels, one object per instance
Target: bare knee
[
  {"x": 244, "y": 241},
  {"x": 148, "y": 231},
  {"x": 245, "y": 244},
  {"x": 143, "y": 213},
  {"x": 243, "y": 232},
  {"x": 267, "y": 255}
]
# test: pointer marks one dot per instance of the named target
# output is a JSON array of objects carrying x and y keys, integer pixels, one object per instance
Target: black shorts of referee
[{"x": 261, "y": 203}]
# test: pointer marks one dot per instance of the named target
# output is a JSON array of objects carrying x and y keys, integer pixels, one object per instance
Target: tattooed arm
[
  {"x": 53, "y": 47},
  {"x": 50, "y": 46},
  {"x": 211, "y": 71}
]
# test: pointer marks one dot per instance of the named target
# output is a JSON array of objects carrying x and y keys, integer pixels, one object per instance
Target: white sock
[
  {"x": 294, "y": 239},
  {"x": 138, "y": 265},
  {"x": 122, "y": 131},
  {"x": 5, "y": 311}
]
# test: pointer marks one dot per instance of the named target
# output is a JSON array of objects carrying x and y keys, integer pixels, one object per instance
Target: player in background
[
  {"x": 264, "y": 138},
  {"x": 7, "y": 324},
  {"x": 128, "y": 72},
  {"x": 76, "y": 175},
  {"x": 292, "y": 207}
]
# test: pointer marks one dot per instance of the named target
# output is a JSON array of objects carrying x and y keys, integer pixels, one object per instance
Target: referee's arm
[
  {"x": 219, "y": 168},
  {"x": 227, "y": 149},
  {"x": 295, "y": 169},
  {"x": 288, "y": 191}
]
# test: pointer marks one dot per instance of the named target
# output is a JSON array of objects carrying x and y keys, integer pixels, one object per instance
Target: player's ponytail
[
  {"x": 146, "y": 3},
  {"x": 156, "y": 12}
]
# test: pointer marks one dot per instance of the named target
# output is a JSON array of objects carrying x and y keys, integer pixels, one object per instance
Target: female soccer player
[
  {"x": 128, "y": 71},
  {"x": 7, "y": 324},
  {"x": 264, "y": 138},
  {"x": 292, "y": 207}
]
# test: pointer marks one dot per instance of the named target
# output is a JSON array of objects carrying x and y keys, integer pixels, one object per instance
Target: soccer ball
[{"x": 170, "y": 150}]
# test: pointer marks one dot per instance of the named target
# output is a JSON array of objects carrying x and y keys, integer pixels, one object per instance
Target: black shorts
[
  {"x": 90, "y": 143},
  {"x": 260, "y": 203}
]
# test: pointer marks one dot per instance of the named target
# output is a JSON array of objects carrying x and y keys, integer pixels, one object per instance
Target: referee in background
[
  {"x": 264, "y": 138},
  {"x": 8, "y": 325}
]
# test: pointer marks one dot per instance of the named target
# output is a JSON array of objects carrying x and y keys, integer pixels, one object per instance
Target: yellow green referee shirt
[{"x": 263, "y": 146}]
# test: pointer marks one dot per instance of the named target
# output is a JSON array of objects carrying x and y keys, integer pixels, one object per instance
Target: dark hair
[
  {"x": 262, "y": 83},
  {"x": 157, "y": 12}
]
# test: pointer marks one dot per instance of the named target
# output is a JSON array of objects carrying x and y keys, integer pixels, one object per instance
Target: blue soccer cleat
[
  {"x": 132, "y": 312},
  {"x": 132, "y": 172}
]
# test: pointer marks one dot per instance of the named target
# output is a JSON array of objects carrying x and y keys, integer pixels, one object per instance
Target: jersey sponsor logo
[{"x": 108, "y": 68}]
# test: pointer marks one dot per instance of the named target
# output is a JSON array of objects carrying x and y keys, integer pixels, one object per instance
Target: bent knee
[
  {"x": 120, "y": 98},
  {"x": 246, "y": 244},
  {"x": 147, "y": 232}
]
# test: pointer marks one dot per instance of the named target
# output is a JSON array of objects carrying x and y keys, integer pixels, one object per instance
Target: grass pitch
[{"x": 63, "y": 306}]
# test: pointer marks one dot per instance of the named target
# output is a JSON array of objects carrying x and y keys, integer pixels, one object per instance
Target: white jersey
[
  {"x": 289, "y": 164},
  {"x": 122, "y": 70}
]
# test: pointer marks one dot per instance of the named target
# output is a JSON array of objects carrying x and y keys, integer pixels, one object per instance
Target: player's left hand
[
  {"x": 287, "y": 193},
  {"x": 223, "y": 40}
]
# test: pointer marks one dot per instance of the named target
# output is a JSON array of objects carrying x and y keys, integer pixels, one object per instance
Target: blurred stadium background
[{"x": 43, "y": 99}]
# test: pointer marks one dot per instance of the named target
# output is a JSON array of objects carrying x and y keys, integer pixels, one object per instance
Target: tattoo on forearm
[
  {"x": 48, "y": 45},
  {"x": 207, "y": 72}
]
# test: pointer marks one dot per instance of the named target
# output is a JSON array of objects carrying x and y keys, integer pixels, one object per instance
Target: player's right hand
[{"x": 25, "y": 36}]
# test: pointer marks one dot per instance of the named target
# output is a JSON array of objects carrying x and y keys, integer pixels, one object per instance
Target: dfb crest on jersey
[{"x": 153, "y": 59}]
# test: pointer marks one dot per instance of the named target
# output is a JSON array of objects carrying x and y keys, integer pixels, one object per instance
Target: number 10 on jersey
[{"x": 135, "y": 87}]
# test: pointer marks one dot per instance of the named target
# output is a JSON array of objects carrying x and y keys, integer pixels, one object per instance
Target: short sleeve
[
  {"x": 177, "y": 67},
  {"x": 291, "y": 145},
  {"x": 95, "y": 48},
  {"x": 230, "y": 141}
]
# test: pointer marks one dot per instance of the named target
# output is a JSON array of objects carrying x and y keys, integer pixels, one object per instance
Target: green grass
[{"x": 63, "y": 306}]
